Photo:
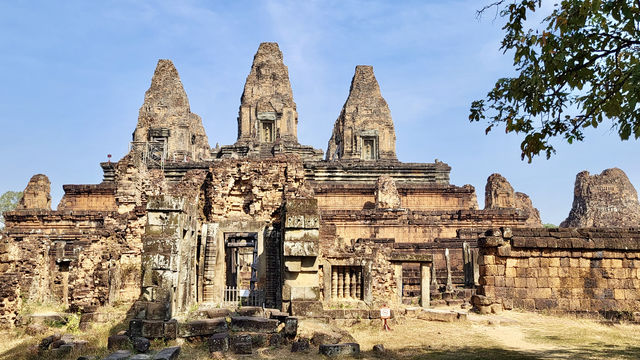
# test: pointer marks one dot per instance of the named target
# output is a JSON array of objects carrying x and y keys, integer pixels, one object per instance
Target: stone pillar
[
  {"x": 347, "y": 283},
  {"x": 467, "y": 261},
  {"x": 449, "y": 287},
  {"x": 425, "y": 284},
  {"x": 359, "y": 284},
  {"x": 334, "y": 282},
  {"x": 397, "y": 274}
]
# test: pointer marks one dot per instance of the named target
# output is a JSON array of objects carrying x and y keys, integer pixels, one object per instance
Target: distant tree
[
  {"x": 8, "y": 201},
  {"x": 577, "y": 69},
  {"x": 549, "y": 226}
]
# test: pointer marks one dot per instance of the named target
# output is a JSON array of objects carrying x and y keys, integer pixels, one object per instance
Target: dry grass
[{"x": 512, "y": 335}]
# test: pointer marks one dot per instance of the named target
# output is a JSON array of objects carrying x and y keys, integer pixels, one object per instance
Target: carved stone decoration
[
  {"x": 37, "y": 194},
  {"x": 499, "y": 194},
  {"x": 267, "y": 110},
  {"x": 165, "y": 121},
  {"x": 387, "y": 196},
  {"x": 608, "y": 199},
  {"x": 364, "y": 130}
]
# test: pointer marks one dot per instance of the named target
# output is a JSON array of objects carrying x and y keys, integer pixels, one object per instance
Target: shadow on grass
[
  {"x": 96, "y": 335},
  {"x": 588, "y": 352}
]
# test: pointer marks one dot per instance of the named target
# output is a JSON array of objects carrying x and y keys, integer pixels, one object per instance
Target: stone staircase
[{"x": 240, "y": 330}]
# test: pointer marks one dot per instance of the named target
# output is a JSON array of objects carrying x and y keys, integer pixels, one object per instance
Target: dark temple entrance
[{"x": 241, "y": 260}]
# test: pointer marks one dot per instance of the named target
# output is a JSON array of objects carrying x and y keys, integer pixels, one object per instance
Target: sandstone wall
[
  {"x": 576, "y": 270},
  {"x": 362, "y": 196},
  {"x": 79, "y": 259},
  {"x": 88, "y": 197}
]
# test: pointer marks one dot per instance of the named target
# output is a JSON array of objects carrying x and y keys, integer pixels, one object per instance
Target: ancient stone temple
[{"x": 265, "y": 221}]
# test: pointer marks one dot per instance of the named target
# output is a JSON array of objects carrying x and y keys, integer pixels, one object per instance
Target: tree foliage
[
  {"x": 579, "y": 68},
  {"x": 8, "y": 201}
]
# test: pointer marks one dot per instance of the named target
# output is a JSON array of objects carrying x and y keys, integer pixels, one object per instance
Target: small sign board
[{"x": 385, "y": 313}]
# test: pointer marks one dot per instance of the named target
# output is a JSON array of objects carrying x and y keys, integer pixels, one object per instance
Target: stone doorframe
[{"x": 425, "y": 261}]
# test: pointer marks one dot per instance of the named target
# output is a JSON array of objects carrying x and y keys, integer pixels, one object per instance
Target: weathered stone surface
[
  {"x": 152, "y": 329},
  {"x": 46, "y": 342},
  {"x": 267, "y": 110},
  {"x": 170, "y": 353},
  {"x": 608, "y": 199},
  {"x": 523, "y": 202},
  {"x": 141, "y": 357},
  {"x": 166, "y": 114},
  {"x": 218, "y": 342},
  {"x": 440, "y": 315},
  {"x": 300, "y": 345},
  {"x": 379, "y": 349},
  {"x": 499, "y": 194},
  {"x": 241, "y": 344},
  {"x": 140, "y": 344},
  {"x": 202, "y": 327},
  {"x": 277, "y": 339},
  {"x": 118, "y": 342},
  {"x": 119, "y": 355},
  {"x": 56, "y": 344},
  {"x": 339, "y": 349},
  {"x": 250, "y": 311},
  {"x": 387, "y": 196},
  {"x": 37, "y": 194},
  {"x": 253, "y": 324},
  {"x": 364, "y": 130},
  {"x": 290, "y": 327}
]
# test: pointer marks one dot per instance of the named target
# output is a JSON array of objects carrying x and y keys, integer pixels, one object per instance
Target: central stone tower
[
  {"x": 267, "y": 110},
  {"x": 267, "y": 119}
]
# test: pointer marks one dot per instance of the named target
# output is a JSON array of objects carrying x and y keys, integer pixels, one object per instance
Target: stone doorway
[
  {"x": 241, "y": 257},
  {"x": 411, "y": 284}
]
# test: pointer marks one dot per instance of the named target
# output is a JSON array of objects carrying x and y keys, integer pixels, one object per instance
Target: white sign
[{"x": 385, "y": 313}]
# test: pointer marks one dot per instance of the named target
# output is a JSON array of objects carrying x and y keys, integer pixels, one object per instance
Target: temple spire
[
  {"x": 364, "y": 130},
  {"x": 166, "y": 117},
  {"x": 267, "y": 110}
]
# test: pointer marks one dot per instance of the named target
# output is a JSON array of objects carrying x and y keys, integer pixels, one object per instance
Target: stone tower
[
  {"x": 166, "y": 126},
  {"x": 267, "y": 110},
  {"x": 364, "y": 130},
  {"x": 604, "y": 200}
]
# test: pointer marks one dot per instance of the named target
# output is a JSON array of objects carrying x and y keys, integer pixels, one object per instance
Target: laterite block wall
[{"x": 565, "y": 270}]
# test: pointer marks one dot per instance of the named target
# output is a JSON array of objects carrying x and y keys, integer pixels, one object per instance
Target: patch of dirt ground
[{"x": 510, "y": 335}]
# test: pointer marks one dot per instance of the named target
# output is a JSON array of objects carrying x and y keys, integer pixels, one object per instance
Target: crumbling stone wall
[
  {"x": 74, "y": 258},
  {"x": 99, "y": 197},
  {"x": 565, "y": 270}
]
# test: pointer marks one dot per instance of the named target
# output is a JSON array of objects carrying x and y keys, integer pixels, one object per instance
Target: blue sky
[{"x": 74, "y": 74}]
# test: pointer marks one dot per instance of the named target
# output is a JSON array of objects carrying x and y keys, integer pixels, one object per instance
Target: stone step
[
  {"x": 254, "y": 324},
  {"x": 202, "y": 327},
  {"x": 250, "y": 311},
  {"x": 170, "y": 353},
  {"x": 339, "y": 349},
  {"x": 442, "y": 315}
]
